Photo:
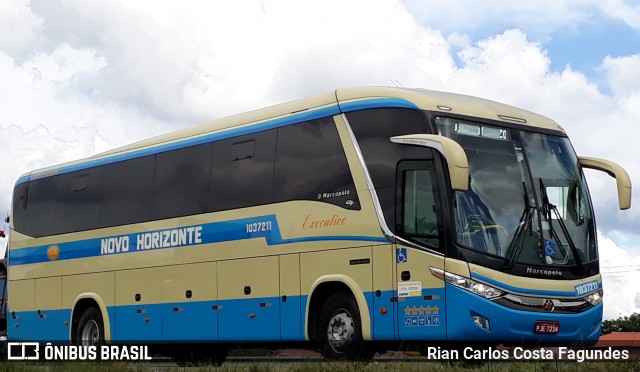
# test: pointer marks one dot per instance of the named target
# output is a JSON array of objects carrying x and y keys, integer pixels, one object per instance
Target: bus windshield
[{"x": 527, "y": 201}]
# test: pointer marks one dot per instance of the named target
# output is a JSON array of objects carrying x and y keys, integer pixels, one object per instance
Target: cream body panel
[
  {"x": 383, "y": 260},
  {"x": 261, "y": 274},
  {"x": 26, "y": 300},
  {"x": 457, "y": 267},
  {"x": 201, "y": 279},
  {"x": 48, "y": 293},
  {"x": 145, "y": 282}
]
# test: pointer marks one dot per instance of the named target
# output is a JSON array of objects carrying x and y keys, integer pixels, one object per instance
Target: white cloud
[
  {"x": 19, "y": 27},
  {"x": 541, "y": 18},
  {"x": 620, "y": 278},
  {"x": 622, "y": 82},
  {"x": 627, "y": 11}
]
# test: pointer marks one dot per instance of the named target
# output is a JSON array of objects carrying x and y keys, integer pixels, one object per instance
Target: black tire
[
  {"x": 90, "y": 330},
  {"x": 340, "y": 330}
]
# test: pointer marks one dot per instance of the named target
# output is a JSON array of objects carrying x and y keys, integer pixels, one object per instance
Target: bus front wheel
[
  {"x": 340, "y": 330},
  {"x": 90, "y": 328}
]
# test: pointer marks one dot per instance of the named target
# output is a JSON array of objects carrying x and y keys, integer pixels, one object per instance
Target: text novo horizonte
[{"x": 151, "y": 240}]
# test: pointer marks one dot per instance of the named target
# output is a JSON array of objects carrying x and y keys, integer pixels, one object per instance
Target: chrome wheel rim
[
  {"x": 90, "y": 334},
  {"x": 340, "y": 331}
]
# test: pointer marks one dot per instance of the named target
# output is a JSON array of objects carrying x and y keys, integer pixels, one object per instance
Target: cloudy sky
[{"x": 79, "y": 77}]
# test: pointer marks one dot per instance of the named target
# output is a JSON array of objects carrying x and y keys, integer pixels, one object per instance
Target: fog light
[{"x": 481, "y": 321}]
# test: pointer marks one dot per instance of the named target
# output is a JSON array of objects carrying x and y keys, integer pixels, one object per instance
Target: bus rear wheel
[
  {"x": 90, "y": 330},
  {"x": 340, "y": 330}
]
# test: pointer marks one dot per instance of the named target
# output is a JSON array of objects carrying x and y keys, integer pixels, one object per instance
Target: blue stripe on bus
[
  {"x": 307, "y": 115},
  {"x": 215, "y": 232},
  {"x": 376, "y": 103},
  {"x": 514, "y": 289},
  {"x": 196, "y": 321}
]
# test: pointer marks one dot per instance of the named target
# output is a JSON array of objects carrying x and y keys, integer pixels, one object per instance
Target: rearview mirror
[
  {"x": 450, "y": 150},
  {"x": 623, "y": 181}
]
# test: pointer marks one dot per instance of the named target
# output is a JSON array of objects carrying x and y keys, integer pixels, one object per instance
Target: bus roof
[{"x": 329, "y": 103}]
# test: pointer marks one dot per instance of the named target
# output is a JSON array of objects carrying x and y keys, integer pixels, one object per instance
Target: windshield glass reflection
[{"x": 527, "y": 201}]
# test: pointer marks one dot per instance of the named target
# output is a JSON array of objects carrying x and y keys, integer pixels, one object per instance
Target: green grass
[{"x": 325, "y": 366}]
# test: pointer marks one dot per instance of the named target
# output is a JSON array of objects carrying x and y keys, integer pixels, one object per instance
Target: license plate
[{"x": 547, "y": 328}]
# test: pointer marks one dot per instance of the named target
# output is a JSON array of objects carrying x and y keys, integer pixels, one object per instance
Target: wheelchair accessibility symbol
[
  {"x": 549, "y": 248},
  {"x": 401, "y": 255}
]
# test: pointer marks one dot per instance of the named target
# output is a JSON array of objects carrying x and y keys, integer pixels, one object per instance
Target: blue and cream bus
[{"x": 355, "y": 220}]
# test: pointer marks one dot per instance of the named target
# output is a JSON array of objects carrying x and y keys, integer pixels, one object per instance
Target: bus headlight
[
  {"x": 486, "y": 291},
  {"x": 594, "y": 298},
  {"x": 470, "y": 285}
]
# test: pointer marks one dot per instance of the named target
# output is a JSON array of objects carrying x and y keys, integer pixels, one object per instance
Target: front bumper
[{"x": 507, "y": 326}]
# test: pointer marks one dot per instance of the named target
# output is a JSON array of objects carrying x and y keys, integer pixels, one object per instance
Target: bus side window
[
  {"x": 418, "y": 206},
  {"x": 127, "y": 191},
  {"x": 79, "y": 199},
  {"x": 41, "y": 208},
  {"x": 242, "y": 171},
  {"x": 311, "y": 165},
  {"x": 20, "y": 198},
  {"x": 181, "y": 182}
]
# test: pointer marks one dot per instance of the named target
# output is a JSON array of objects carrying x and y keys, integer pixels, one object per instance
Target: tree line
[{"x": 629, "y": 323}]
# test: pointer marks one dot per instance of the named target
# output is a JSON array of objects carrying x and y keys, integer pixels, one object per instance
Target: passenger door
[{"x": 421, "y": 296}]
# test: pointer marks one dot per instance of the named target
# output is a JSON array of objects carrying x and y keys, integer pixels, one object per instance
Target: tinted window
[
  {"x": 127, "y": 191},
  {"x": 19, "y": 210},
  {"x": 311, "y": 165},
  {"x": 79, "y": 198},
  {"x": 39, "y": 213},
  {"x": 181, "y": 182},
  {"x": 242, "y": 173},
  {"x": 418, "y": 207},
  {"x": 372, "y": 129}
]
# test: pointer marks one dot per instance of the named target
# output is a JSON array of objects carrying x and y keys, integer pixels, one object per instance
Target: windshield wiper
[
  {"x": 515, "y": 246},
  {"x": 547, "y": 208}
]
